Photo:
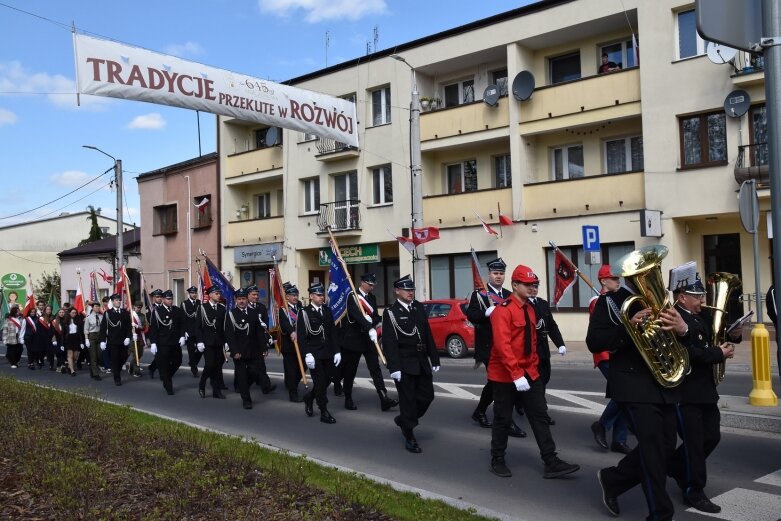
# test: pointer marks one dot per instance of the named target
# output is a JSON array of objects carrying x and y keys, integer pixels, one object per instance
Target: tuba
[
  {"x": 667, "y": 359},
  {"x": 720, "y": 287}
]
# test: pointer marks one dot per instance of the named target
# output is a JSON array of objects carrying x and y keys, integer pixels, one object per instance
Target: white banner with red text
[{"x": 106, "y": 68}]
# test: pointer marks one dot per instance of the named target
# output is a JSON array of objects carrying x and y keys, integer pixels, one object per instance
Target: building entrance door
[{"x": 722, "y": 253}]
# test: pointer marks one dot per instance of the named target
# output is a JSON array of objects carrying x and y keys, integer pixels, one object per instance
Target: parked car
[{"x": 451, "y": 330}]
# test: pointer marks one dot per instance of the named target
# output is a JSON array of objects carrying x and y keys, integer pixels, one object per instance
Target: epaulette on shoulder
[{"x": 505, "y": 303}]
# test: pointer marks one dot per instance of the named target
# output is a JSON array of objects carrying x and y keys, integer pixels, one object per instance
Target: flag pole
[
  {"x": 126, "y": 283},
  {"x": 352, "y": 287},
  {"x": 580, "y": 274},
  {"x": 295, "y": 340},
  {"x": 499, "y": 213}
]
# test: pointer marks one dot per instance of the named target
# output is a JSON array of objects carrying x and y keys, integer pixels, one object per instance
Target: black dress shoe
[
  {"x": 499, "y": 467},
  {"x": 516, "y": 432},
  {"x": 169, "y": 391},
  {"x": 269, "y": 389},
  {"x": 294, "y": 397},
  {"x": 599, "y": 434},
  {"x": 482, "y": 419},
  {"x": 117, "y": 382},
  {"x": 386, "y": 403},
  {"x": 96, "y": 377},
  {"x": 702, "y": 503},
  {"x": 247, "y": 405},
  {"x": 619, "y": 447},
  {"x": 349, "y": 404},
  {"x": 326, "y": 417},
  {"x": 550, "y": 421},
  {"x": 308, "y": 401},
  {"x": 411, "y": 444},
  {"x": 194, "y": 371},
  {"x": 202, "y": 392},
  {"x": 558, "y": 468},
  {"x": 610, "y": 501},
  {"x": 338, "y": 389},
  {"x": 218, "y": 394}
]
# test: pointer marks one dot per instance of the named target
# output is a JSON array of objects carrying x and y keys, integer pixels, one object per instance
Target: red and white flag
[
  {"x": 503, "y": 219},
  {"x": 30, "y": 302},
  {"x": 109, "y": 279},
  {"x": 423, "y": 235},
  {"x": 408, "y": 243},
  {"x": 78, "y": 302},
  {"x": 565, "y": 276},
  {"x": 487, "y": 227}
]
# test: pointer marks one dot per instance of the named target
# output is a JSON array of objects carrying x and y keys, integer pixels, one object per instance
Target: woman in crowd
[
  {"x": 29, "y": 333},
  {"x": 12, "y": 334},
  {"x": 58, "y": 323},
  {"x": 73, "y": 332}
]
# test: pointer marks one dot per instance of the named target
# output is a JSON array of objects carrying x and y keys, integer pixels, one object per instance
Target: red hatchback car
[{"x": 450, "y": 328}]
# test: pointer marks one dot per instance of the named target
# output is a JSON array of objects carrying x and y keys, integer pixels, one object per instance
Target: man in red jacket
[{"x": 514, "y": 374}]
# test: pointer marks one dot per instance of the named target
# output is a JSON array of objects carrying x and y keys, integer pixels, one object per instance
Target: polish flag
[
  {"x": 30, "y": 304},
  {"x": 503, "y": 219},
  {"x": 423, "y": 235},
  {"x": 487, "y": 227},
  {"x": 78, "y": 302},
  {"x": 408, "y": 243}
]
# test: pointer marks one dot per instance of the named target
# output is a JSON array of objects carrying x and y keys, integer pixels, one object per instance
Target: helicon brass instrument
[
  {"x": 667, "y": 359},
  {"x": 720, "y": 287}
]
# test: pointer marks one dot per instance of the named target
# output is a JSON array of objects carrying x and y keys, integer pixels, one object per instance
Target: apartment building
[{"x": 646, "y": 136}]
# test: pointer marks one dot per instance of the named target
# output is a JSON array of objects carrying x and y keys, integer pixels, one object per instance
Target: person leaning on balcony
[
  {"x": 514, "y": 375},
  {"x": 607, "y": 65}
]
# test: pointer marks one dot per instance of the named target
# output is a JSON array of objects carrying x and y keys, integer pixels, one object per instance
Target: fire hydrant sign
[{"x": 106, "y": 68}]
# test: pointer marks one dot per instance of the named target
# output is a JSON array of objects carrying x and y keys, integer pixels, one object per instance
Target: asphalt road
[{"x": 745, "y": 470}]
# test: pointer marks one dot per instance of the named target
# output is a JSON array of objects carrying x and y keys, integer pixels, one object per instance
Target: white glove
[
  {"x": 62, "y": 348},
  {"x": 102, "y": 346},
  {"x": 435, "y": 368},
  {"x": 489, "y": 310},
  {"x": 126, "y": 342},
  {"x": 521, "y": 384},
  {"x": 201, "y": 346},
  {"x": 135, "y": 337},
  {"x": 368, "y": 318},
  {"x": 373, "y": 334},
  {"x": 337, "y": 359},
  {"x": 86, "y": 342},
  {"x": 562, "y": 350},
  {"x": 54, "y": 343},
  {"x": 153, "y": 349},
  {"x": 396, "y": 375},
  {"x": 310, "y": 361},
  {"x": 270, "y": 341},
  {"x": 182, "y": 341},
  {"x": 82, "y": 346},
  {"x": 186, "y": 335}
]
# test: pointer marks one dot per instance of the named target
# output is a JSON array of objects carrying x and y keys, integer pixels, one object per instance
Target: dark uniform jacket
[
  {"x": 407, "y": 341},
  {"x": 260, "y": 310},
  {"x": 355, "y": 329},
  {"x": 629, "y": 379},
  {"x": 244, "y": 334},
  {"x": 546, "y": 327},
  {"x": 115, "y": 326},
  {"x": 287, "y": 325},
  {"x": 45, "y": 334},
  {"x": 315, "y": 332},
  {"x": 191, "y": 316},
  {"x": 166, "y": 326},
  {"x": 31, "y": 327},
  {"x": 210, "y": 325},
  {"x": 699, "y": 386},
  {"x": 475, "y": 312}
]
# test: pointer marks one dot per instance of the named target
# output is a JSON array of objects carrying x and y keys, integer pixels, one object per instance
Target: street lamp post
[
  {"x": 189, "y": 235},
  {"x": 418, "y": 259},
  {"x": 118, "y": 181}
]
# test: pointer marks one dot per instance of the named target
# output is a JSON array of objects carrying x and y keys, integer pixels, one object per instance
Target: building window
[
  {"x": 759, "y": 139},
  {"x": 565, "y": 68},
  {"x": 381, "y": 106},
  {"x": 263, "y": 205},
  {"x": 382, "y": 185},
  {"x": 459, "y": 93},
  {"x": 462, "y": 177},
  {"x": 104, "y": 230},
  {"x": 308, "y": 136},
  {"x": 567, "y": 162},
  {"x": 703, "y": 139},
  {"x": 579, "y": 295},
  {"x": 280, "y": 202},
  {"x": 500, "y": 80},
  {"x": 624, "y": 155},
  {"x": 165, "y": 219},
  {"x": 203, "y": 211},
  {"x": 622, "y": 54},
  {"x": 689, "y": 42},
  {"x": 312, "y": 195},
  {"x": 502, "y": 173},
  {"x": 451, "y": 275},
  {"x": 268, "y": 137}
]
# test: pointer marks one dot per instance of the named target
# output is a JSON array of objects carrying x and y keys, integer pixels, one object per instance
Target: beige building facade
[{"x": 646, "y": 135}]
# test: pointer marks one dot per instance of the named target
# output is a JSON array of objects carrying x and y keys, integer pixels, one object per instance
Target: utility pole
[{"x": 118, "y": 183}]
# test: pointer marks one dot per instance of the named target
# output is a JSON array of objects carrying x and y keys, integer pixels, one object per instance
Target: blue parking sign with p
[{"x": 591, "y": 238}]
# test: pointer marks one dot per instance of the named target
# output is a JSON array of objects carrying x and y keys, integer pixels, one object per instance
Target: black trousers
[
  {"x": 292, "y": 370},
  {"x": 166, "y": 360},
  {"x": 647, "y": 464},
  {"x": 174, "y": 359},
  {"x": 416, "y": 392},
  {"x": 54, "y": 353},
  {"x": 13, "y": 353},
  {"x": 246, "y": 371},
  {"x": 349, "y": 368},
  {"x": 213, "y": 356},
  {"x": 261, "y": 374},
  {"x": 699, "y": 428},
  {"x": 533, "y": 401},
  {"x": 193, "y": 355},
  {"x": 118, "y": 354},
  {"x": 322, "y": 376},
  {"x": 544, "y": 368}
]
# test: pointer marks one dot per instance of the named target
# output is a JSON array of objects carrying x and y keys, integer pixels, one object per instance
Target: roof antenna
[
  {"x": 327, "y": 43},
  {"x": 376, "y": 37}
]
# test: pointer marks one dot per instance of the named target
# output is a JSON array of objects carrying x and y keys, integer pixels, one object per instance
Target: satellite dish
[
  {"x": 720, "y": 54},
  {"x": 491, "y": 95},
  {"x": 523, "y": 85},
  {"x": 273, "y": 136},
  {"x": 737, "y": 103}
]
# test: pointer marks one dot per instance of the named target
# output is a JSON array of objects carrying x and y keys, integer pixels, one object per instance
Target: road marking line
[
  {"x": 740, "y": 504},
  {"x": 771, "y": 479}
]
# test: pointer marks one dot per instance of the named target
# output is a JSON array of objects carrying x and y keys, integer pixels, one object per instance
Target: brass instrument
[
  {"x": 720, "y": 287},
  {"x": 667, "y": 359}
]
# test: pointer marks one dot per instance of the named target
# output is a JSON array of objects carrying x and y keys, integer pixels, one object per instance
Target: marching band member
[
  {"x": 167, "y": 337},
  {"x": 209, "y": 340},
  {"x": 247, "y": 341},
  {"x": 115, "y": 331},
  {"x": 191, "y": 308},
  {"x": 287, "y": 326}
]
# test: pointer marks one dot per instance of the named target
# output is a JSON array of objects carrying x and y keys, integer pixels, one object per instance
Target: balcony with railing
[
  {"x": 258, "y": 163},
  {"x": 331, "y": 150},
  {"x": 753, "y": 163},
  {"x": 340, "y": 216},
  {"x": 458, "y": 210},
  {"x": 749, "y": 69},
  {"x": 467, "y": 119},
  {"x": 254, "y": 231}
]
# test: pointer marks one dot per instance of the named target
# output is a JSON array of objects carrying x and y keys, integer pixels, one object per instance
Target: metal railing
[
  {"x": 752, "y": 163},
  {"x": 748, "y": 63},
  {"x": 340, "y": 215},
  {"x": 329, "y": 146}
]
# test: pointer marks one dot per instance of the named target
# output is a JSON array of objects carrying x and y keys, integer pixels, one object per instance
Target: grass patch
[{"x": 68, "y": 456}]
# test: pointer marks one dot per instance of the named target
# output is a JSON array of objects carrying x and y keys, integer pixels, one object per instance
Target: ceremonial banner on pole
[
  {"x": 338, "y": 288},
  {"x": 477, "y": 279},
  {"x": 30, "y": 303},
  {"x": 218, "y": 279},
  {"x": 106, "y": 68},
  {"x": 565, "y": 276}
]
